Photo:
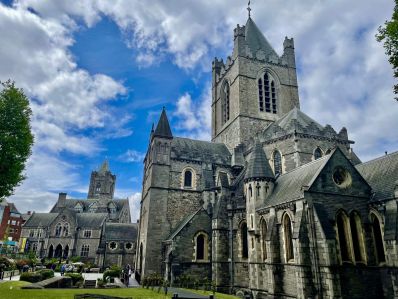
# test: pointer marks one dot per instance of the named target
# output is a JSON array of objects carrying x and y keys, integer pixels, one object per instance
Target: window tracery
[{"x": 267, "y": 94}]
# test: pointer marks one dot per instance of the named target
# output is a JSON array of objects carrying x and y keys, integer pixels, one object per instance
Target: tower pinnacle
[{"x": 248, "y": 8}]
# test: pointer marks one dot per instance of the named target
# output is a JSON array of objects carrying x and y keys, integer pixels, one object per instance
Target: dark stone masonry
[{"x": 277, "y": 205}]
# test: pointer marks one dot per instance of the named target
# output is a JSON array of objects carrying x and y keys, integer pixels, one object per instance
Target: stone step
[{"x": 90, "y": 284}]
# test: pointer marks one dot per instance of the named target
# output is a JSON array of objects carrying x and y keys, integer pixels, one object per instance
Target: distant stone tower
[
  {"x": 252, "y": 88},
  {"x": 102, "y": 183}
]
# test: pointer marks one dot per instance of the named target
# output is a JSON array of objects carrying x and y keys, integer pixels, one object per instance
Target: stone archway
[
  {"x": 51, "y": 251},
  {"x": 58, "y": 251},
  {"x": 66, "y": 252}
]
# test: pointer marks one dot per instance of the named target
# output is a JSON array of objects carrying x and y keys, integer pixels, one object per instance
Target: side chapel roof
[{"x": 258, "y": 166}]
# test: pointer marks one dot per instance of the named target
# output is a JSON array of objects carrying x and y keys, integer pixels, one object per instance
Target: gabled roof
[
  {"x": 258, "y": 166},
  {"x": 182, "y": 224},
  {"x": 90, "y": 220},
  {"x": 41, "y": 219},
  {"x": 197, "y": 150},
  {"x": 382, "y": 175},
  {"x": 256, "y": 40},
  {"x": 163, "y": 127},
  {"x": 13, "y": 208},
  {"x": 289, "y": 186}
]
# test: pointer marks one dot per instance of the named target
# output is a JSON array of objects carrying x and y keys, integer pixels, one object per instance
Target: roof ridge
[
  {"x": 378, "y": 158},
  {"x": 307, "y": 164}
]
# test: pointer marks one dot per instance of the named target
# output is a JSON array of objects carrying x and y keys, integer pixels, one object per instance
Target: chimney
[
  {"x": 62, "y": 200},
  {"x": 29, "y": 213}
]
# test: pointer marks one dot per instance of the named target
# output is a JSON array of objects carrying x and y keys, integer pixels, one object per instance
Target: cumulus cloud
[{"x": 194, "y": 117}]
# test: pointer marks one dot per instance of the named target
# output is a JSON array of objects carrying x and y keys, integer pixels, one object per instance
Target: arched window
[
  {"x": 244, "y": 245},
  {"x": 201, "y": 246},
  {"x": 287, "y": 232},
  {"x": 277, "y": 162},
  {"x": 263, "y": 227},
  {"x": 317, "y": 153},
  {"x": 188, "y": 178},
  {"x": 58, "y": 230},
  {"x": 34, "y": 247},
  {"x": 85, "y": 250},
  {"x": 98, "y": 187},
  {"x": 66, "y": 229},
  {"x": 267, "y": 94},
  {"x": 225, "y": 103},
  {"x": 250, "y": 191},
  {"x": 343, "y": 238},
  {"x": 377, "y": 238},
  {"x": 357, "y": 237}
]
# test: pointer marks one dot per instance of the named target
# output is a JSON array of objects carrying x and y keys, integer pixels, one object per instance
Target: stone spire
[
  {"x": 163, "y": 127},
  {"x": 258, "y": 167},
  {"x": 256, "y": 40}
]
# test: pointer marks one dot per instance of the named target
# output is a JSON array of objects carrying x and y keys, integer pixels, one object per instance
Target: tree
[
  {"x": 16, "y": 138},
  {"x": 388, "y": 34}
]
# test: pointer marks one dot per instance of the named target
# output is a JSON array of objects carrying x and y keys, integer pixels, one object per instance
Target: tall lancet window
[
  {"x": 267, "y": 94},
  {"x": 225, "y": 102},
  {"x": 277, "y": 163}
]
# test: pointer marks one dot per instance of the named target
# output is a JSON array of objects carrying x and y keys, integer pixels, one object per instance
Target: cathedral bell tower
[
  {"x": 102, "y": 183},
  {"x": 252, "y": 88}
]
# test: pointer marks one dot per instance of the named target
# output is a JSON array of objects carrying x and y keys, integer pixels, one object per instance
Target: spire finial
[{"x": 248, "y": 8}]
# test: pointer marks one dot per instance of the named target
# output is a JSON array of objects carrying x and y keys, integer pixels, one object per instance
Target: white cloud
[
  {"x": 132, "y": 156},
  {"x": 194, "y": 117},
  {"x": 135, "y": 200}
]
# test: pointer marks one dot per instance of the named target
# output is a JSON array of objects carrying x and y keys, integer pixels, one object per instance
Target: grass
[
  {"x": 216, "y": 296},
  {"x": 11, "y": 290}
]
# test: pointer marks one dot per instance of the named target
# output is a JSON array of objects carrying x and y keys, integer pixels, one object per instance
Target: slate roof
[
  {"x": 181, "y": 225},
  {"x": 296, "y": 121},
  {"x": 256, "y": 40},
  {"x": 40, "y": 219},
  {"x": 102, "y": 204},
  {"x": 197, "y": 150},
  {"x": 121, "y": 231},
  {"x": 163, "y": 127},
  {"x": 90, "y": 220},
  {"x": 258, "y": 166},
  {"x": 288, "y": 186},
  {"x": 382, "y": 175}
]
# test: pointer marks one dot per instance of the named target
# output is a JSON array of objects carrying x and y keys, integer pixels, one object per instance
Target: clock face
[{"x": 341, "y": 177}]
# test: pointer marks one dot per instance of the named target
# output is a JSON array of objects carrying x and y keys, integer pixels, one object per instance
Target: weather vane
[{"x": 248, "y": 8}]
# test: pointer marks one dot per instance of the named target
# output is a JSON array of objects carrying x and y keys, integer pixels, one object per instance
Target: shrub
[
  {"x": 76, "y": 277},
  {"x": 75, "y": 259},
  {"x": 100, "y": 283},
  {"x": 8, "y": 263},
  {"x": 46, "y": 273},
  {"x": 30, "y": 277},
  {"x": 112, "y": 273}
]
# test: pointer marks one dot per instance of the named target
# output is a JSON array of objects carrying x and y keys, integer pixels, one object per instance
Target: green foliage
[
  {"x": 76, "y": 277},
  {"x": 37, "y": 276},
  {"x": 113, "y": 272},
  {"x": 30, "y": 277},
  {"x": 8, "y": 263},
  {"x": 46, "y": 273},
  {"x": 16, "y": 138},
  {"x": 388, "y": 34},
  {"x": 75, "y": 259},
  {"x": 100, "y": 283}
]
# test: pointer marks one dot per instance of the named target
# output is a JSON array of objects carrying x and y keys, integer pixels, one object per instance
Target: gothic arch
[
  {"x": 188, "y": 178},
  {"x": 378, "y": 237},
  {"x": 58, "y": 251},
  {"x": 318, "y": 153},
  {"x": 264, "y": 230},
  {"x": 51, "y": 251},
  {"x": 268, "y": 91},
  {"x": 343, "y": 236},
  {"x": 288, "y": 236},
  {"x": 277, "y": 162},
  {"x": 201, "y": 250},
  {"x": 357, "y": 237}
]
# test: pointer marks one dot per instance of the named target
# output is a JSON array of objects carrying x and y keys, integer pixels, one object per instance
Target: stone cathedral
[{"x": 276, "y": 205}]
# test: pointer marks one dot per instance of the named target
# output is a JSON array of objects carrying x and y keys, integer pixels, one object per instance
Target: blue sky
[{"x": 99, "y": 72}]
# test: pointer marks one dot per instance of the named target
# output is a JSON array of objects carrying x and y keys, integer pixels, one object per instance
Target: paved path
[{"x": 186, "y": 294}]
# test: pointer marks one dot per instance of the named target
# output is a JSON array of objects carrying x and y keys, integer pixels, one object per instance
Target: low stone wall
[{"x": 54, "y": 282}]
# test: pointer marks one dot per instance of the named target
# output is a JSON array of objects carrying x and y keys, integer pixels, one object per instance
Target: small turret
[
  {"x": 288, "y": 52},
  {"x": 163, "y": 128}
]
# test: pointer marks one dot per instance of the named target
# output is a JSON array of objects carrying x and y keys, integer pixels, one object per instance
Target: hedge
[
  {"x": 37, "y": 276},
  {"x": 76, "y": 277}
]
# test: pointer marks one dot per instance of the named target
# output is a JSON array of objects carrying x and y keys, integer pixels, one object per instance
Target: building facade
[
  {"x": 89, "y": 228},
  {"x": 10, "y": 226},
  {"x": 277, "y": 205}
]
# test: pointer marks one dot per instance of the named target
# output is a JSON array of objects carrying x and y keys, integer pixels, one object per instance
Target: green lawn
[
  {"x": 217, "y": 295},
  {"x": 11, "y": 290}
]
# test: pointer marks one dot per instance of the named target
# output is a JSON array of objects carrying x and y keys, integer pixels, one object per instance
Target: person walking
[{"x": 62, "y": 270}]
